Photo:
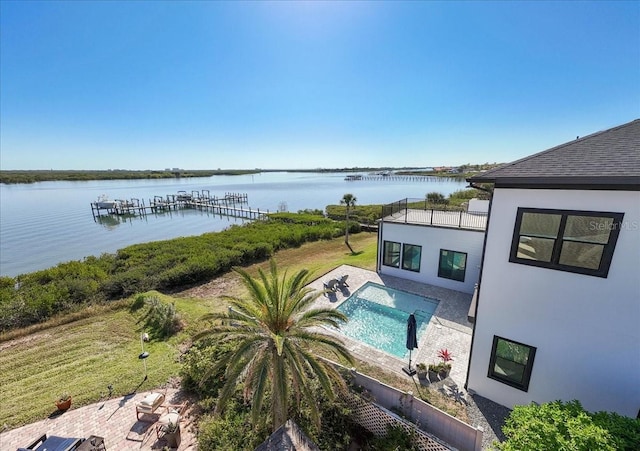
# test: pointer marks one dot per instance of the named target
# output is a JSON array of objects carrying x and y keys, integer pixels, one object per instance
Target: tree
[
  {"x": 272, "y": 330},
  {"x": 349, "y": 201}
]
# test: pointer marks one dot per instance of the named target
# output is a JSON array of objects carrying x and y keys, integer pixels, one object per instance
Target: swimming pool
[{"x": 378, "y": 317}]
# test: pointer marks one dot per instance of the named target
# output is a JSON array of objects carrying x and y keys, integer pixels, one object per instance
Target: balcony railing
[{"x": 416, "y": 211}]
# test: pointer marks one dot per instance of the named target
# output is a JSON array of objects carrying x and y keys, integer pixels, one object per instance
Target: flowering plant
[{"x": 445, "y": 355}]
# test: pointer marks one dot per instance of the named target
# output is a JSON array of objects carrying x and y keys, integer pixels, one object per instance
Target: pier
[
  {"x": 390, "y": 178},
  {"x": 231, "y": 204}
]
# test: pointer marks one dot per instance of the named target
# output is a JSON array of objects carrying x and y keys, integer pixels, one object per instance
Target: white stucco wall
[
  {"x": 586, "y": 329},
  {"x": 432, "y": 239},
  {"x": 478, "y": 206}
]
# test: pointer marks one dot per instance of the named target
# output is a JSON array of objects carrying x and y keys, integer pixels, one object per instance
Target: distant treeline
[
  {"x": 17, "y": 176},
  {"x": 159, "y": 265},
  {"x": 117, "y": 174}
]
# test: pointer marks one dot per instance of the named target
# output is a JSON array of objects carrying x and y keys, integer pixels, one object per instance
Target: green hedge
[
  {"x": 559, "y": 425},
  {"x": 159, "y": 265}
]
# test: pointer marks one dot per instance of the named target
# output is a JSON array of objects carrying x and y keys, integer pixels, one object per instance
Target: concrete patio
[{"x": 114, "y": 419}]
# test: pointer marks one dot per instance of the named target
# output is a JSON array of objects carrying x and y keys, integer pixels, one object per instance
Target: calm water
[
  {"x": 46, "y": 223},
  {"x": 378, "y": 317}
]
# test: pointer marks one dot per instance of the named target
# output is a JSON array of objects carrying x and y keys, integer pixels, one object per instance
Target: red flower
[{"x": 445, "y": 355}]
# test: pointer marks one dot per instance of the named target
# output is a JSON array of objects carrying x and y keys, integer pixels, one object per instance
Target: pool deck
[{"x": 448, "y": 327}]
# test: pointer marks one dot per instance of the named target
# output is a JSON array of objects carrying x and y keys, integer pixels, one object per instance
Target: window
[
  {"x": 576, "y": 241},
  {"x": 511, "y": 362},
  {"x": 411, "y": 257},
  {"x": 452, "y": 265},
  {"x": 391, "y": 256}
]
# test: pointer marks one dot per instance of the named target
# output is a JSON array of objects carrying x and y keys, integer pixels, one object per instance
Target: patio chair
[
  {"x": 172, "y": 416},
  {"x": 149, "y": 404},
  {"x": 331, "y": 285},
  {"x": 342, "y": 281}
]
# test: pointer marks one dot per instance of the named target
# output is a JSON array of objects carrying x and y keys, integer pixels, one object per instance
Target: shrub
[
  {"x": 231, "y": 431},
  {"x": 196, "y": 371},
  {"x": 161, "y": 319},
  {"x": 558, "y": 425},
  {"x": 157, "y": 265},
  {"x": 625, "y": 431},
  {"x": 436, "y": 198},
  {"x": 396, "y": 439}
]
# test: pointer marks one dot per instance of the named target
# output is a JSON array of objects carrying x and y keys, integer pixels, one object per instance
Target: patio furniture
[
  {"x": 170, "y": 419},
  {"x": 342, "y": 281},
  {"x": 149, "y": 404},
  {"x": 93, "y": 443},
  {"x": 53, "y": 443},
  {"x": 330, "y": 285}
]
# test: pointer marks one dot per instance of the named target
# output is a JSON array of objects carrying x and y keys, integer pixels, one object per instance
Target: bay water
[{"x": 43, "y": 224}]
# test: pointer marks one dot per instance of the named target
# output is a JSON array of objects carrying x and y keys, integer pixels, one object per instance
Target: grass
[{"x": 85, "y": 351}]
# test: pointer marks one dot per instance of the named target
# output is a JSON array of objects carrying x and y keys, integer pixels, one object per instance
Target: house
[
  {"x": 437, "y": 247},
  {"x": 558, "y": 304}
]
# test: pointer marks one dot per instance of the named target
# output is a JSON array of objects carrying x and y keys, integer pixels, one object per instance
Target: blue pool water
[{"x": 378, "y": 317}]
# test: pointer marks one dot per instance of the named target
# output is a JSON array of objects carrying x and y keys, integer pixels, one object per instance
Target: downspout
[
  {"x": 380, "y": 250},
  {"x": 484, "y": 248}
]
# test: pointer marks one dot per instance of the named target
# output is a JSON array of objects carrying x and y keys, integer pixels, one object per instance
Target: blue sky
[{"x": 206, "y": 85}]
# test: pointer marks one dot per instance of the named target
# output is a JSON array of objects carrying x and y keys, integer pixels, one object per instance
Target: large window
[
  {"x": 511, "y": 362},
  {"x": 411, "y": 255},
  {"x": 452, "y": 265},
  {"x": 574, "y": 241},
  {"x": 391, "y": 255}
]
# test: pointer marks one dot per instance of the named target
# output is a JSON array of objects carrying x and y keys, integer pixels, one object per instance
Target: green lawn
[{"x": 85, "y": 352}]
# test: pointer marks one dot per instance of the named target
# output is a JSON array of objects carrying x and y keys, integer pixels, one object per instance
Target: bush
[
  {"x": 231, "y": 431},
  {"x": 436, "y": 198},
  {"x": 161, "y": 319},
  {"x": 396, "y": 439},
  {"x": 625, "y": 431},
  {"x": 197, "y": 365},
  {"x": 558, "y": 425}
]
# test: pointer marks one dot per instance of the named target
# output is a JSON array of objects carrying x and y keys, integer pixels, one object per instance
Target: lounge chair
[
  {"x": 149, "y": 404},
  {"x": 330, "y": 285},
  {"x": 342, "y": 281}
]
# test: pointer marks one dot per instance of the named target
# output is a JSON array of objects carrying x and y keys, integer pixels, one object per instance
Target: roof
[
  {"x": 288, "y": 437},
  {"x": 606, "y": 159}
]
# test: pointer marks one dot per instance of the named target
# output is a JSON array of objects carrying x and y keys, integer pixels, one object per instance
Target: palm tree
[
  {"x": 349, "y": 201},
  {"x": 272, "y": 331}
]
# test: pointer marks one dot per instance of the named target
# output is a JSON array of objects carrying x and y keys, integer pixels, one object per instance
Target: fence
[{"x": 430, "y": 419}]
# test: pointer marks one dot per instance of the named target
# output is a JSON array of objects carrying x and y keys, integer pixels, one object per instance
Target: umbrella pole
[{"x": 407, "y": 369}]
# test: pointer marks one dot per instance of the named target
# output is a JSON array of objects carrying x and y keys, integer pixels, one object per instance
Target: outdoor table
[{"x": 93, "y": 443}]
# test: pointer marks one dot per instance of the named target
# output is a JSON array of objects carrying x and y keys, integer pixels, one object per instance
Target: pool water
[{"x": 378, "y": 317}]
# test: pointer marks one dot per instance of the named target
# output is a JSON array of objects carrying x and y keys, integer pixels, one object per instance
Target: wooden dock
[{"x": 231, "y": 204}]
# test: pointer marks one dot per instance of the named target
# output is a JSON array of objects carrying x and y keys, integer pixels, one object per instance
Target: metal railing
[{"x": 417, "y": 211}]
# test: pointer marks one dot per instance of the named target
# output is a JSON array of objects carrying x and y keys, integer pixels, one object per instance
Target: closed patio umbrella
[{"x": 412, "y": 342}]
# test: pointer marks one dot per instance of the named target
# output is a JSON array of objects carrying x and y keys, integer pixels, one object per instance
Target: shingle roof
[
  {"x": 288, "y": 437},
  {"x": 607, "y": 158}
]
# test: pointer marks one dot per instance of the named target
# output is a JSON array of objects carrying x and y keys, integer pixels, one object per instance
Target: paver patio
[{"x": 114, "y": 419}]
